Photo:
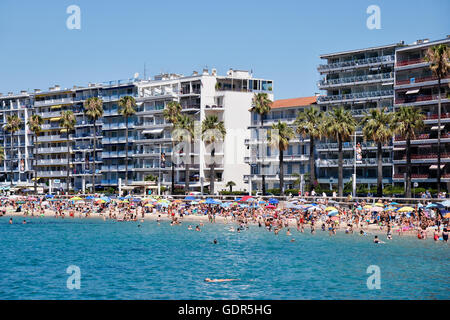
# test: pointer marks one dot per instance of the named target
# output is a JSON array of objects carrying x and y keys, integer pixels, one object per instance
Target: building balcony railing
[
  {"x": 48, "y": 162},
  {"x": 420, "y": 98},
  {"x": 356, "y": 63},
  {"x": 53, "y": 138},
  {"x": 413, "y": 176},
  {"x": 350, "y": 162},
  {"x": 347, "y": 80},
  {"x": 356, "y": 96},
  {"x": 53, "y": 150},
  {"x": 350, "y": 145},
  {"x": 435, "y": 116},
  {"x": 50, "y": 114},
  {"x": 415, "y": 80},
  {"x": 423, "y": 136},
  {"x": 430, "y": 156},
  {"x": 51, "y": 174}
]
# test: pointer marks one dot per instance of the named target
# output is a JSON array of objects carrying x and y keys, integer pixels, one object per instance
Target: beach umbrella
[
  {"x": 125, "y": 201},
  {"x": 330, "y": 209},
  {"x": 178, "y": 201},
  {"x": 390, "y": 208},
  {"x": 190, "y": 198},
  {"x": 446, "y": 203},
  {"x": 394, "y": 203},
  {"x": 261, "y": 202},
  {"x": 273, "y": 201},
  {"x": 89, "y": 198},
  {"x": 148, "y": 205},
  {"x": 32, "y": 199},
  {"x": 447, "y": 216},
  {"x": 210, "y": 201},
  {"x": 379, "y": 204},
  {"x": 435, "y": 205},
  {"x": 333, "y": 213},
  {"x": 98, "y": 201},
  {"x": 106, "y": 199},
  {"x": 49, "y": 196},
  {"x": 244, "y": 205},
  {"x": 136, "y": 200},
  {"x": 334, "y": 218},
  {"x": 76, "y": 199},
  {"x": 194, "y": 202},
  {"x": 271, "y": 206},
  {"x": 376, "y": 209},
  {"x": 367, "y": 206},
  {"x": 405, "y": 209},
  {"x": 245, "y": 198}
]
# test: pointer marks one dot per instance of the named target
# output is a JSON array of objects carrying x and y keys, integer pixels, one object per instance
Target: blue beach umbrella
[
  {"x": 332, "y": 213},
  {"x": 49, "y": 196},
  {"x": 190, "y": 198},
  {"x": 273, "y": 201},
  {"x": 106, "y": 199},
  {"x": 446, "y": 203},
  {"x": 89, "y": 198}
]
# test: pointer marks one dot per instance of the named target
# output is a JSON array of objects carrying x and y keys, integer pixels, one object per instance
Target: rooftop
[{"x": 295, "y": 102}]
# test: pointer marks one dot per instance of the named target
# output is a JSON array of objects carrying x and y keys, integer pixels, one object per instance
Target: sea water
[{"x": 120, "y": 260}]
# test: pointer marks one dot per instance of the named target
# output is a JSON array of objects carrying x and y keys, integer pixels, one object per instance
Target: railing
[
  {"x": 48, "y": 174},
  {"x": 369, "y": 77},
  {"x": 53, "y": 138},
  {"x": 355, "y": 96},
  {"x": 43, "y": 162},
  {"x": 50, "y": 114},
  {"x": 420, "y": 98},
  {"x": 413, "y": 176},
  {"x": 350, "y": 145},
  {"x": 356, "y": 63},
  {"x": 53, "y": 150},
  {"x": 52, "y": 101},
  {"x": 348, "y": 162},
  {"x": 425, "y": 156},
  {"x": 406, "y": 62}
]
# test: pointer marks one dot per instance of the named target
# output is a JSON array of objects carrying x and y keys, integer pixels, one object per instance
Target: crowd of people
[{"x": 381, "y": 217}]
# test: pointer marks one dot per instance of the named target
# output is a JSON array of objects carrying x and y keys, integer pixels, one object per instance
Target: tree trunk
[
  {"x": 380, "y": 171},
  {"x": 211, "y": 176},
  {"x": 263, "y": 171},
  {"x": 186, "y": 180},
  {"x": 312, "y": 164},
  {"x": 126, "y": 150},
  {"x": 95, "y": 139},
  {"x": 439, "y": 139},
  {"x": 34, "y": 163},
  {"x": 408, "y": 168},
  {"x": 281, "y": 173},
  {"x": 68, "y": 163},
  {"x": 340, "y": 168}
]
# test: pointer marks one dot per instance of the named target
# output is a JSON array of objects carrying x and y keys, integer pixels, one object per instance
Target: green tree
[
  {"x": 377, "y": 126},
  {"x": 34, "y": 124},
  {"x": 213, "y": 131},
  {"x": 279, "y": 138},
  {"x": 13, "y": 124},
  {"x": 127, "y": 108},
  {"x": 93, "y": 108},
  {"x": 309, "y": 123},
  {"x": 261, "y": 104},
  {"x": 186, "y": 126},
  {"x": 68, "y": 122},
  {"x": 339, "y": 124},
  {"x": 171, "y": 114},
  {"x": 439, "y": 59},
  {"x": 406, "y": 123}
]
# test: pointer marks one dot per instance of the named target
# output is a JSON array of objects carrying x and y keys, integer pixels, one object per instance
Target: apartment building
[
  {"x": 416, "y": 86},
  {"x": 359, "y": 80}
]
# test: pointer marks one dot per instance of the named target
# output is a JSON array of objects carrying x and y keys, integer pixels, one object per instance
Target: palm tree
[
  {"x": 171, "y": 114},
  {"x": 93, "y": 108},
  {"x": 186, "y": 124},
  {"x": 339, "y": 124},
  {"x": 127, "y": 109},
  {"x": 262, "y": 106},
  {"x": 34, "y": 123},
  {"x": 230, "y": 184},
  {"x": 213, "y": 131},
  {"x": 309, "y": 123},
  {"x": 279, "y": 138},
  {"x": 406, "y": 123},
  {"x": 377, "y": 126},
  {"x": 68, "y": 122},
  {"x": 13, "y": 124},
  {"x": 439, "y": 59}
]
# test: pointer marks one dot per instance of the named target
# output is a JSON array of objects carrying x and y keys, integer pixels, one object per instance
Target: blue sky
[{"x": 279, "y": 40}]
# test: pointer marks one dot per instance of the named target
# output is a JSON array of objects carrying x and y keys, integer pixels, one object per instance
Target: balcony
[
  {"x": 48, "y": 102},
  {"x": 350, "y": 162},
  {"x": 50, "y": 114},
  {"x": 356, "y": 63},
  {"x": 421, "y": 98},
  {"x": 52, "y": 150},
  {"x": 407, "y": 62},
  {"x": 424, "y": 158},
  {"x": 372, "y": 95},
  {"x": 53, "y": 138},
  {"x": 52, "y": 174},
  {"x": 358, "y": 79},
  {"x": 349, "y": 146},
  {"x": 50, "y": 162}
]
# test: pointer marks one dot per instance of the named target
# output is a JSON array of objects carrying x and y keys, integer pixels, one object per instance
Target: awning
[
  {"x": 63, "y": 130},
  {"x": 56, "y": 107},
  {"x": 399, "y": 149},
  {"x": 154, "y": 131},
  {"x": 436, "y": 127},
  {"x": 55, "y": 119},
  {"x": 434, "y": 166},
  {"x": 35, "y": 179},
  {"x": 412, "y": 91}
]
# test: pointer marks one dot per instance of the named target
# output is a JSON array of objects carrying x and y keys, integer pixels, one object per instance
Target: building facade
[
  {"x": 359, "y": 80},
  {"x": 263, "y": 158},
  {"x": 228, "y": 97},
  {"x": 416, "y": 86}
]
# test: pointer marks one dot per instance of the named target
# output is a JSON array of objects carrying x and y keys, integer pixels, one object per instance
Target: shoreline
[{"x": 371, "y": 229}]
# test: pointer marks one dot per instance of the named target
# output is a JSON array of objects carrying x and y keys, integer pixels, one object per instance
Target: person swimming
[
  {"x": 10, "y": 221},
  {"x": 189, "y": 227},
  {"x": 215, "y": 241},
  {"x": 197, "y": 228},
  {"x": 288, "y": 232}
]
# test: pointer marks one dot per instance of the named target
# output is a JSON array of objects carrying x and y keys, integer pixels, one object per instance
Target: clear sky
[{"x": 279, "y": 40}]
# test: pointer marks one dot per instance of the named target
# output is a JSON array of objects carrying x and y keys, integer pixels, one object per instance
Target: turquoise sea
[{"x": 119, "y": 260}]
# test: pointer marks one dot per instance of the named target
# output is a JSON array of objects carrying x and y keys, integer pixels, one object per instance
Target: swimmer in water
[
  {"x": 215, "y": 241},
  {"x": 376, "y": 240},
  {"x": 220, "y": 280},
  {"x": 10, "y": 220},
  {"x": 292, "y": 240},
  {"x": 24, "y": 222},
  {"x": 288, "y": 232},
  {"x": 231, "y": 229},
  {"x": 197, "y": 228},
  {"x": 190, "y": 227}
]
